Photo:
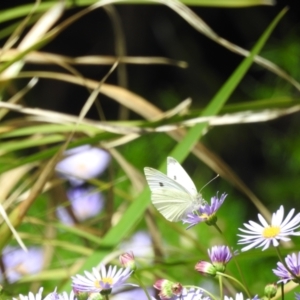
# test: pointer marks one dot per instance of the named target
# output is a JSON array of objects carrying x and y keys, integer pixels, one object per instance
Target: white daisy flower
[
  {"x": 31, "y": 296},
  {"x": 38, "y": 296},
  {"x": 262, "y": 235},
  {"x": 240, "y": 296},
  {"x": 66, "y": 296},
  {"x": 100, "y": 281},
  {"x": 83, "y": 163}
]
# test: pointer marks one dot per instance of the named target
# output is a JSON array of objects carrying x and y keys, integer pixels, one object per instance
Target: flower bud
[
  {"x": 127, "y": 260},
  {"x": 168, "y": 289},
  {"x": 206, "y": 268},
  {"x": 176, "y": 289},
  {"x": 81, "y": 295},
  {"x": 270, "y": 290},
  {"x": 95, "y": 296}
]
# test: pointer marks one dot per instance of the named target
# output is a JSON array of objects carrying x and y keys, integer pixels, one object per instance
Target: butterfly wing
[
  {"x": 177, "y": 173},
  {"x": 170, "y": 198}
]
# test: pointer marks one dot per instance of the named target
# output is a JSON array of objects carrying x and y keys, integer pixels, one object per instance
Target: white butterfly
[{"x": 174, "y": 195}]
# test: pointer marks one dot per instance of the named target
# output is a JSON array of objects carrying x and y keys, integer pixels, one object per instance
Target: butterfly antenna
[{"x": 209, "y": 182}]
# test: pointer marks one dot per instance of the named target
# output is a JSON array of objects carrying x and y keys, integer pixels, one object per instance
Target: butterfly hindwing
[{"x": 171, "y": 205}]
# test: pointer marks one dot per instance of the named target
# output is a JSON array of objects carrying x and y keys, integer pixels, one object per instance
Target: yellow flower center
[
  {"x": 103, "y": 282},
  {"x": 107, "y": 280},
  {"x": 271, "y": 232}
]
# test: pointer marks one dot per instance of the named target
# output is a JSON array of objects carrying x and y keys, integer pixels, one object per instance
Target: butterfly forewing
[
  {"x": 170, "y": 198},
  {"x": 177, "y": 173},
  {"x": 157, "y": 179}
]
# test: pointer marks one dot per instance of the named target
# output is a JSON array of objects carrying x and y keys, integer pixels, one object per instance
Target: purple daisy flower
[
  {"x": 292, "y": 272},
  {"x": 85, "y": 203},
  {"x": 206, "y": 213},
  {"x": 282, "y": 273},
  {"x": 219, "y": 257},
  {"x": 18, "y": 263},
  {"x": 140, "y": 244},
  {"x": 100, "y": 281},
  {"x": 132, "y": 294}
]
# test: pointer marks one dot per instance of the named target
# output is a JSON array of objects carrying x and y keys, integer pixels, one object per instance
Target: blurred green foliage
[{"x": 265, "y": 156}]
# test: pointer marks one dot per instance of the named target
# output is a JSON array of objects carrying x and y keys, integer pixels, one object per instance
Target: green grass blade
[
  {"x": 47, "y": 129},
  {"x": 28, "y": 143},
  {"x": 44, "y": 154}
]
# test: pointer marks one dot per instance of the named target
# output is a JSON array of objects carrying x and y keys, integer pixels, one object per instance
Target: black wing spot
[
  {"x": 161, "y": 184},
  {"x": 175, "y": 178}
]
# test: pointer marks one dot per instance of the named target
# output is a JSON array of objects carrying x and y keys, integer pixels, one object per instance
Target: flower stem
[
  {"x": 282, "y": 291},
  {"x": 221, "y": 286},
  {"x": 140, "y": 283},
  {"x": 280, "y": 256},
  {"x": 218, "y": 228},
  {"x": 237, "y": 281},
  {"x": 244, "y": 285}
]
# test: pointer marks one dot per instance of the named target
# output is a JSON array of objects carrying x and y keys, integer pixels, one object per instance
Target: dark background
[
  {"x": 263, "y": 154},
  {"x": 155, "y": 30}
]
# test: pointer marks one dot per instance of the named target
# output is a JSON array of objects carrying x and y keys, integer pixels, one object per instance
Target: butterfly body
[{"x": 174, "y": 195}]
